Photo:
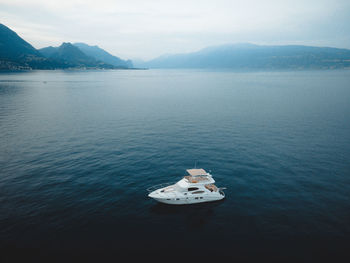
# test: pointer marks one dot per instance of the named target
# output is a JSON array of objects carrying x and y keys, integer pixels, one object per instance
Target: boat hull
[
  {"x": 197, "y": 187},
  {"x": 181, "y": 201}
]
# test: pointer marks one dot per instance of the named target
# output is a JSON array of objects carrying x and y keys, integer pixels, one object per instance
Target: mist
[{"x": 147, "y": 29}]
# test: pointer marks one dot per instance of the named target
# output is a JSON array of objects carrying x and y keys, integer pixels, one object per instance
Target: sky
[{"x": 145, "y": 29}]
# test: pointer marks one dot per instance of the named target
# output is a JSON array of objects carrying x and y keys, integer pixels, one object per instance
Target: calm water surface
[{"x": 78, "y": 150}]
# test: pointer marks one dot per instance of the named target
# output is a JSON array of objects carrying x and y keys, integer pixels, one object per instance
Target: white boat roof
[{"x": 196, "y": 172}]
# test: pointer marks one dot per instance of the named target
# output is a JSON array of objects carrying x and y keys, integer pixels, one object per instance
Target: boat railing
[{"x": 158, "y": 186}]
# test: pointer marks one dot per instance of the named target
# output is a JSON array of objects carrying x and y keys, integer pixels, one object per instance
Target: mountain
[
  {"x": 102, "y": 55},
  {"x": 16, "y": 53},
  {"x": 72, "y": 56},
  {"x": 250, "y": 56}
]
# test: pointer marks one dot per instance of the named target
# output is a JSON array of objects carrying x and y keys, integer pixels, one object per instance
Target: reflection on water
[{"x": 195, "y": 216}]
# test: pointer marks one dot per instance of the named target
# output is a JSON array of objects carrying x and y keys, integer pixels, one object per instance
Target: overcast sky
[{"x": 149, "y": 28}]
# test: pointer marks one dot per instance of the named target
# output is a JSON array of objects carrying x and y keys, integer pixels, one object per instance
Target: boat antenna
[{"x": 195, "y": 164}]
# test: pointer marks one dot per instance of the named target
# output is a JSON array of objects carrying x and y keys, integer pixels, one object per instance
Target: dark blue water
[{"x": 78, "y": 150}]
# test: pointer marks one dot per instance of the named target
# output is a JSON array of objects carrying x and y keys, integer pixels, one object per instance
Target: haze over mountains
[
  {"x": 249, "y": 56},
  {"x": 17, "y": 54}
]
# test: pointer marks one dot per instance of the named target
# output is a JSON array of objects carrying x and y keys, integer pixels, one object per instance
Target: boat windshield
[{"x": 196, "y": 179}]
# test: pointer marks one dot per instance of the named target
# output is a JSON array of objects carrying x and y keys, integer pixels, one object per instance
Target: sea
[{"x": 79, "y": 148}]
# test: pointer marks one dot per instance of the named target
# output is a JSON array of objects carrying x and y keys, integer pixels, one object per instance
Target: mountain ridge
[
  {"x": 16, "y": 53},
  {"x": 102, "y": 55},
  {"x": 72, "y": 56}
]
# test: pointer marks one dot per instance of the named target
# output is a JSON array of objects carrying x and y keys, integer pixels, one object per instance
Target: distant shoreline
[{"x": 70, "y": 69}]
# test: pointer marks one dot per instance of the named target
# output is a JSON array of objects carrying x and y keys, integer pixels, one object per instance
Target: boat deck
[{"x": 211, "y": 187}]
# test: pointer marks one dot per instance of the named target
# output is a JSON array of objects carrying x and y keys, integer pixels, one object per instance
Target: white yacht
[{"x": 196, "y": 187}]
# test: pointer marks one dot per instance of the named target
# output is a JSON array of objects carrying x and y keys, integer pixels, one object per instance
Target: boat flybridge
[{"x": 196, "y": 187}]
